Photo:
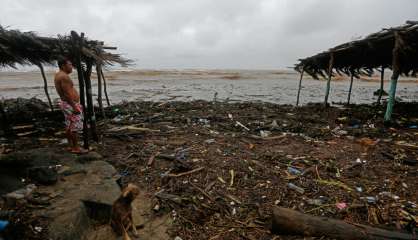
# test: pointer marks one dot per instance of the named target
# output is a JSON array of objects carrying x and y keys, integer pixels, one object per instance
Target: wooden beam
[
  {"x": 45, "y": 86},
  {"x": 291, "y": 222},
  {"x": 382, "y": 76},
  {"x": 300, "y": 86},
  {"x": 330, "y": 65},
  {"x": 395, "y": 75}
]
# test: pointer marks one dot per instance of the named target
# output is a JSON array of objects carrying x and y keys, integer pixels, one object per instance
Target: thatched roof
[
  {"x": 25, "y": 48},
  {"x": 362, "y": 57}
]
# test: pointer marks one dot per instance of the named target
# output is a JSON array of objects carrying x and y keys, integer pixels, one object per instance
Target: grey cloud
[{"x": 211, "y": 33}]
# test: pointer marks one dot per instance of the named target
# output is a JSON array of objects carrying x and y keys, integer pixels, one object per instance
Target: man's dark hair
[{"x": 62, "y": 61}]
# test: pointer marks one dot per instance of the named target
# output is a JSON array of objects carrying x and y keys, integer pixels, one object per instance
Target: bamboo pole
[
  {"x": 45, "y": 86},
  {"x": 351, "y": 86},
  {"x": 330, "y": 65},
  {"x": 89, "y": 97},
  {"x": 99, "y": 88},
  {"x": 394, "y": 78},
  {"x": 105, "y": 87},
  {"x": 300, "y": 86},
  {"x": 77, "y": 51},
  {"x": 382, "y": 76}
]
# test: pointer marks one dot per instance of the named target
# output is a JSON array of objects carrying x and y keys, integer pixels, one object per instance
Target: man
[{"x": 69, "y": 104}]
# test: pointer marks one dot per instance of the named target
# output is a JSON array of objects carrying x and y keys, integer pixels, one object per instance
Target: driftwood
[
  {"x": 287, "y": 221},
  {"x": 185, "y": 173}
]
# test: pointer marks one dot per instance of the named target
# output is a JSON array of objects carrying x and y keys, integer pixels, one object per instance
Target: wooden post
[
  {"x": 99, "y": 88},
  {"x": 382, "y": 76},
  {"x": 77, "y": 54},
  {"x": 394, "y": 78},
  {"x": 45, "y": 86},
  {"x": 5, "y": 125},
  {"x": 105, "y": 87},
  {"x": 330, "y": 65},
  {"x": 300, "y": 86},
  {"x": 89, "y": 97},
  {"x": 351, "y": 86}
]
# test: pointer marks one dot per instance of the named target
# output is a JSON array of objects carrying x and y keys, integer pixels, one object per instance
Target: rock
[
  {"x": 43, "y": 175},
  {"x": 85, "y": 199},
  {"x": 89, "y": 157},
  {"x": 17, "y": 197}
]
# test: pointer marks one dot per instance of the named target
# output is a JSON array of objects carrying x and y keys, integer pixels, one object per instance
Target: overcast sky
[{"x": 263, "y": 34}]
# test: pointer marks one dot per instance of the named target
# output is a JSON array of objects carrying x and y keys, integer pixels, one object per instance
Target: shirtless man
[{"x": 69, "y": 104}]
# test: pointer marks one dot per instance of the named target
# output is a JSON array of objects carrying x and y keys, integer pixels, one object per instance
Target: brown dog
[{"x": 121, "y": 218}]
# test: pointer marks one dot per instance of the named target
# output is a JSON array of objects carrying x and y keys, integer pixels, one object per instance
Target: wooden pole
[
  {"x": 99, "y": 88},
  {"x": 5, "y": 125},
  {"x": 394, "y": 78},
  {"x": 300, "y": 86},
  {"x": 45, "y": 86},
  {"x": 330, "y": 65},
  {"x": 77, "y": 53},
  {"x": 291, "y": 222},
  {"x": 351, "y": 87},
  {"x": 105, "y": 87},
  {"x": 382, "y": 76},
  {"x": 89, "y": 97}
]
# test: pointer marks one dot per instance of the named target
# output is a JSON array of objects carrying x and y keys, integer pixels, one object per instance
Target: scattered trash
[
  {"x": 209, "y": 141},
  {"x": 296, "y": 188},
  {"x": 241, "y": 125},
  {"x": 264, "y": 133},
  {"x": 293, "y": 171},
  {"x": 371, "y": 200},
  {"x": 390, "y": 195},
  {"x": 341, "y": 205},
  {"x": 3, "y": 225}
]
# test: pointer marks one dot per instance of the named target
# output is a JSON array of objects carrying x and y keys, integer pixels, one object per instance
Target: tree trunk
[
  {"x": 46, "y": 86},
  {"x": 105, "y": 87},
  {"x": 99, "y": 88},
  {"x": 287, "y": 221},
  {"x": 76, "y": 42}
]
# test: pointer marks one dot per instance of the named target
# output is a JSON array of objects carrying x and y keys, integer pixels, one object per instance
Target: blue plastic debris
[{"x": 3, "y": 225}]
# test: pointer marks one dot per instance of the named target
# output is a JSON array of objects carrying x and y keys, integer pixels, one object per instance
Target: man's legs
[{"x": 73, "y": 141}]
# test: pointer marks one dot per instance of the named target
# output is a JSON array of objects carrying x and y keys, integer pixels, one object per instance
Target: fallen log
[{"x": 287, "y": 221}]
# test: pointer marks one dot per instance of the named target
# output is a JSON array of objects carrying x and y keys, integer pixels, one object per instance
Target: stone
[
  {"x": 89, "y": 157},
  {"x": 43, "y": 175}
]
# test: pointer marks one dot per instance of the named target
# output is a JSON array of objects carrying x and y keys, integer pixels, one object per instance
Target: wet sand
[{"x": 226, "y": 85}]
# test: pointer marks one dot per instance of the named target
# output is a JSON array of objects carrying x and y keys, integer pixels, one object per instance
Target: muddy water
[{"x": 230, "y": 85}]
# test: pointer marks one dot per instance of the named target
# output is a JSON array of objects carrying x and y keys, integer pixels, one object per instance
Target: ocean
[{"x": 221, "y": 85}]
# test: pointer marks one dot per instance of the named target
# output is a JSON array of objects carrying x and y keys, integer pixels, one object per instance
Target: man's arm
[{"x": 67, "y": 90}]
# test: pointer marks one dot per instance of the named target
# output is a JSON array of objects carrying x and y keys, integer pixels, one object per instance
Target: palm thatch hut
[
  {"x": 394, "y": 48},
  {"x": 27, "y": 48}
]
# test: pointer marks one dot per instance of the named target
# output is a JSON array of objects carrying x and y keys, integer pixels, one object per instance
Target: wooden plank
[{"x": 328, "y": 87}]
